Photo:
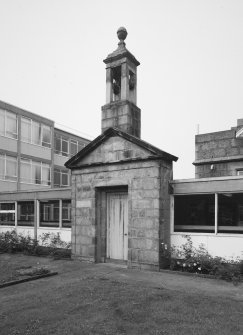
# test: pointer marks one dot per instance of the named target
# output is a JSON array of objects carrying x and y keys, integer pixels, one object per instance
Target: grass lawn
[{"x": 86, "y": 299}]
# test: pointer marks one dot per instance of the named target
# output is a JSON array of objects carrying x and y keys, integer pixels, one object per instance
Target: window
[
  {"x": 239, "y": 172},
  {"x": 49, "y": 213},
  {"x": 25, "y": 216},
  {"x": 46, "y": 136},
  {"x": 61, "y": 145},
  {"x": 230, "y": 213},
  {"x": 25, "y": 130},
  {"x": 66, "y": 213},
  {"x": 61, "y": 178},
  {"x": 74, "y": 147},
  {"x": 8, "y": 167},
  {"x": 7, "y": 214},
  {"x": 45, "y": 174},
  {"x": 34, "y": 172},
  {"x": 194, "y": 213},
  {"x": 8, "y": 124},
  {"x": 35, "y": 132}
]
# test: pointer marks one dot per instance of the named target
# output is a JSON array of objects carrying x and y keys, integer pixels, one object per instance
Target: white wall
[
  {"x": 65, "y": 233},
  {"x": 223, "y": 245}
]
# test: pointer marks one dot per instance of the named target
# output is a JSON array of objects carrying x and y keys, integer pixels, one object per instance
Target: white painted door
[{"x": 117, "y": 226}]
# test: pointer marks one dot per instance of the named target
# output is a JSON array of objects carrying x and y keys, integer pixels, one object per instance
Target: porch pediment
[{"x": 115, "y": 146}]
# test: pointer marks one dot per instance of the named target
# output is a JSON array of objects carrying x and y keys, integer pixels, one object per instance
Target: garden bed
[{"x": 17, "y": 270}]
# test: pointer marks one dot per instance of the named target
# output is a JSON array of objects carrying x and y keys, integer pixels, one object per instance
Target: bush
[
  {"x": 198, "y": 260},
  {"x": 47, "y": 245}
]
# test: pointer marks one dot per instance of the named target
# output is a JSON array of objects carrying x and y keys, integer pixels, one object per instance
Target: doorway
[{"x": 117, "y": 226}]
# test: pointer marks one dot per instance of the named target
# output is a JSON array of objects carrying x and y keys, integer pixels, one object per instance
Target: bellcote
[{"x": 121, "y": 109}]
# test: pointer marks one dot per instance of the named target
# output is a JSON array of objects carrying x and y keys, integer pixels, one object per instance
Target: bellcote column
[{"x": 121, "y": 109}]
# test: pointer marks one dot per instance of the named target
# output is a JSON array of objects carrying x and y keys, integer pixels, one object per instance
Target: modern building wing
[
  {"x": 33, "y": 151},
  {"x": 34, "y": 184}
]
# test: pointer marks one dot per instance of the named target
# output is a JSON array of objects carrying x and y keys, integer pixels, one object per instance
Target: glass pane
[
  {"x": 74, "y": 147},
  {"x": 2, "y": 166},
  {"x": 25, "y": 212},
  {"x": 7, "y": 219},
  {"x": 46, "y": 136},
  {"x": 64, "y": 178},
  {"x": 25, "y": 130},
  {"x": 194, "y": 213},
  {"x": 36, "y": 173},
  {"x": 7, "y": 206},
  {"x": 49, "y": 213},
  {"x": 36, "y": 133},
  {"x": 64, "y": 147},
  {"x": 57, "y": 178},
  {"x": 230, "y": 213},
  {"x": 57, "y": 143},
  {"x": 7, "y": 214},
  {"x": 46, "y": 174},
  {"x": 11, "y": 125},
  {"x": 25, "y": 171},
  {"x": 66, "y": 213},
  {"x": 2, "y": 122},
  {"x": 11, "y": 168}
]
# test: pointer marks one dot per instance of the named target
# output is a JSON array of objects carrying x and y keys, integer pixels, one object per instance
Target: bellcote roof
[{"x": 121, "y": 51}]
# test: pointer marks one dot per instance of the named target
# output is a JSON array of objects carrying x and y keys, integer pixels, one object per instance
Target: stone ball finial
[{"x": 122, "y": 34}]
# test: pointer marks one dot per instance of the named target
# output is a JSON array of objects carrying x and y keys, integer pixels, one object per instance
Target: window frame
[
  {"x": 32, "y": 163},
  {"x": 61, "y": 173},
  {"x": 61, "y": 138},
  {"x": 6, "y": 176},
  {"x": 11, "y": 211},
  {"x": 217, "y": 230},
  {"x": 49, "y": 211},
  {"x": 41, "y": 128},
  {"x": 6, "y": 132},
  {"x": 30, "y": 223}
]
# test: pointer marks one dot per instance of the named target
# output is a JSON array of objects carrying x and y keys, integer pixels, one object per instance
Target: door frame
[
  {"x": 101, "y": 220},
  {"x": 120, "y": 239}
]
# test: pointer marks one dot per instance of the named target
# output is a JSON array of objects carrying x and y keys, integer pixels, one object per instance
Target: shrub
[
  {"x": 51, "y": 244},
  {"x": 53, "y": 240},
  {"x": 198, "y": 260},
  {"x": 13, "y": 242}
]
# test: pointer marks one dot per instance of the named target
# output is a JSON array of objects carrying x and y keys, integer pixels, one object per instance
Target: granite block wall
[
  {"x": 148, "y": 210},
  {"x": 218, "y": 154}
]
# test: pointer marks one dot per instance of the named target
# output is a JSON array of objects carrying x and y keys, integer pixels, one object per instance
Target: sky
[{"x": 190, "y": 77}]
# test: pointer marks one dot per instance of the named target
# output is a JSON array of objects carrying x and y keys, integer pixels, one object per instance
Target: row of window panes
[
  {"x": 35, "y": 132},
  {"x": 8, "y": 124},
  {"x": 49, "y": 213},
  {"x": 196, "y": 213},
  {"x": 31, "y": 131},
  {"x": 61, "y": 145},
  {"x": 31, "y": 172}
]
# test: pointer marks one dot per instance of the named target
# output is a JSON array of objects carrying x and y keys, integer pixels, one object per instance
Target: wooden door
[{"x": 117, "y": 226}]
